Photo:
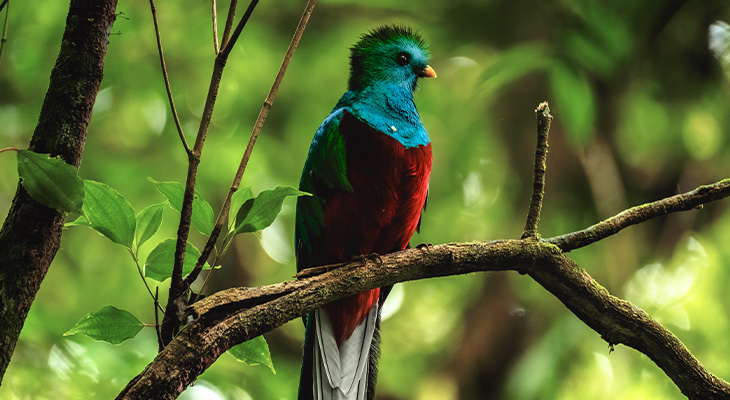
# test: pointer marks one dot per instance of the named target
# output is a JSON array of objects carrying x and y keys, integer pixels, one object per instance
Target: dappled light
[{"x": 639, "y": 92}]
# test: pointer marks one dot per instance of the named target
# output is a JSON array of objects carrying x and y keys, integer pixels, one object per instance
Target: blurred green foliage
[{"x": 641, "y": 112}]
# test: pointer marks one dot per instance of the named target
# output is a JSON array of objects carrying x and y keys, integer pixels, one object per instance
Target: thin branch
[
  {"x": 538, "y": 186},
  {"x": 228, "y": 45},
  {"x": 4, "y": 37},
  {"x": 229, "y": 23},
  {"x": 178, "y": 288},
  {"x": 160, "y": 344},
  {"x": 167, "y": 80},
  {"x": 681, "y": 202},
  {"x": 214, "y": 12},
  {"x": 258, "y": 125}
]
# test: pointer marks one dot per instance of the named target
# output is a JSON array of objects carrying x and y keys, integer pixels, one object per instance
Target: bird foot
[
  {"x": 425, "y": 246},
  {"x": 364, "y": 258},
  {"x": 319, "y": 270}
]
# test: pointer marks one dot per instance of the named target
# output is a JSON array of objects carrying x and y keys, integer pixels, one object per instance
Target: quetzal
[{"x": 368, "y": 169}]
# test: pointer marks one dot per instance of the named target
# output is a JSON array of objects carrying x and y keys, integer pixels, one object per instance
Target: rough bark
[
  {"x": 232, "y": 316},
  {"x": 31, "y": 233},
  {"x": 636, "y": 215}
]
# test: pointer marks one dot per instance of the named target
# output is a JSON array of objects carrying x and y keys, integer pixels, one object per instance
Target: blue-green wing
[{"x": 325, "y": 171}]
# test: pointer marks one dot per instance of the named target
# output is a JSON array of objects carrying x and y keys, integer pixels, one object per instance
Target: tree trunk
[{"x": 31, "y": 233}]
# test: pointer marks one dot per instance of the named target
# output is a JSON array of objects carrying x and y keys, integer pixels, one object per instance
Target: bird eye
[{"x": 403, "y": 58}]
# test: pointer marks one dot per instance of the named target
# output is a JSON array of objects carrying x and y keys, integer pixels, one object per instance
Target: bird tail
[{"x": 344, "y": 372}]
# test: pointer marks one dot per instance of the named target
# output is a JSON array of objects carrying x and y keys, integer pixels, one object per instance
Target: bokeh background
[{"x": 640, "y": 93}]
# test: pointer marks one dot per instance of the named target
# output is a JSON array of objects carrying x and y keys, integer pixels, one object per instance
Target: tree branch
[
  {"x": 538, "y": 186},
  {"x": 31, "y": 232},
  {"x": 681, "y": 202},
  {"x": 167, "y": 80},
  {"x": 178, "y": 288},
  {"x": 214, "y": 13},
  {"x": 258, "y": 125},
  {"x": 229, "y": 23},
  {"x": 229, "y": 317},
  {"x": 4, "y": 37}
]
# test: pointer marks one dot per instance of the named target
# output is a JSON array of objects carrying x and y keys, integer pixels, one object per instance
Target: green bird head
[{"x": 389, "y": 54}]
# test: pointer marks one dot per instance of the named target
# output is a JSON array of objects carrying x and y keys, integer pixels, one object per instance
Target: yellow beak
[{"x": 427, "y": 72}]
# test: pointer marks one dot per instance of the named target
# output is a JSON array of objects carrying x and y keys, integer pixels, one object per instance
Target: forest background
[{"x": 640, "y": 92}]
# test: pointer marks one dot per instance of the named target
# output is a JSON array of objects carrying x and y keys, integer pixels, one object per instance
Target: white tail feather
[{"x": 340, "y": 373}]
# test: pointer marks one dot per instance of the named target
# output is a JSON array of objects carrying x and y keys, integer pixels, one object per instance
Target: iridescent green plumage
[
  {"x": 367, "y": 55},
  {"x": 368, "y": 169}
]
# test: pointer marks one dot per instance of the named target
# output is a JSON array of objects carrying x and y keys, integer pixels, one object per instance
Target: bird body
[{"x": 368, "y": 169}]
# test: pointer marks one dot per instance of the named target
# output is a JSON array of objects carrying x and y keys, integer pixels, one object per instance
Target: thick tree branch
[
  {"x": 681, "y": 202},
  {"x": 227, "y": 318},
  {"x": 31, "y": 233},
  {"x": 621, "y": 322},
  {"x": 232, "y": 316}
]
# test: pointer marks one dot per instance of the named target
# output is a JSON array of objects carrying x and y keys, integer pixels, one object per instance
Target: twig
[
  {"x": 681, "y": 202},
  {"x": 177, "y": 285},
  {"x": 167, "y": 80},
  {"x": 225, "y": 210},
  {"x": 229, "y": 23},
  {"x": 160, "y": 343},
  {"x": 228, "y": 46},
  {"x": 215, "y": 26},
  {"x": 538, "y": 186},
  {"x": 4, "y": 37}
]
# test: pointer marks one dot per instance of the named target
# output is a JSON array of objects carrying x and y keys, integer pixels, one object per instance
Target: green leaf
[
  {"x": 148, "y": 222},
  {"x": 239, "y": 198},
  {"x": 253, "y": 352},
  {"x": 263, "y": 209},
  {"x": 50, "y": 181},
  {"x": 108, "y": 212},
  {"x": 80, "y": 221},
  {"x": 202, "y": 216},
  {"x": 162, "y": 258},
  {"x": 109, "y": 324}
]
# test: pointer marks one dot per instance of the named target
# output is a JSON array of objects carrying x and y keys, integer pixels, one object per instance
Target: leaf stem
[
  {"x": 8, "y": 149},
  {"x": 144, "y": 280}
]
